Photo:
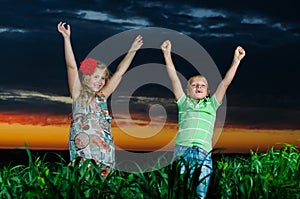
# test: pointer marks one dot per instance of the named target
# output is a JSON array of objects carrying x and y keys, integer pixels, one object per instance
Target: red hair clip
[{"x": 88, "y": 66}]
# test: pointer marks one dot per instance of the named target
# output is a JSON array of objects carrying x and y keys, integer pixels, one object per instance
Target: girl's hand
[
  {"x": 239, "y": 53},
  {"x": 166, "y": 46},
  {"x": 137, "y": 44},
  {"x": 66, "y": 32}
]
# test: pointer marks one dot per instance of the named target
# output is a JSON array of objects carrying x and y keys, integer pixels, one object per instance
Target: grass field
[{"x": 274, "y": 174}]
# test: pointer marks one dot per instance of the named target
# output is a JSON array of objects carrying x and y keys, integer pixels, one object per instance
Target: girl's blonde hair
[
  {"x": 86, "y": 94},
  {"x": 85, "y": 79}
]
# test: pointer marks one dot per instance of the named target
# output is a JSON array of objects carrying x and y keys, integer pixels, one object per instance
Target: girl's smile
[{"x": 97, "y": 80}]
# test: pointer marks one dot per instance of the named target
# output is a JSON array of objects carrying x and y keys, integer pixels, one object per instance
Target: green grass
[{"x": 274, "y": 174}]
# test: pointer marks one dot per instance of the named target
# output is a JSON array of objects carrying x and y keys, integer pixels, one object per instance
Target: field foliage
[{"x": 274, "y": 174}]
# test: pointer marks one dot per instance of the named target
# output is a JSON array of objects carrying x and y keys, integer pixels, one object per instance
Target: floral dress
[{"x": 90, "y": 134}]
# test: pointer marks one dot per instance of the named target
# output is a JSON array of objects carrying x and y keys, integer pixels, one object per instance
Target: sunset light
[{"x": 55, "y": 137}]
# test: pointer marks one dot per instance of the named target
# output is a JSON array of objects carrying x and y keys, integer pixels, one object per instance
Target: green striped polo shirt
[{"x": 196, "y": 121}]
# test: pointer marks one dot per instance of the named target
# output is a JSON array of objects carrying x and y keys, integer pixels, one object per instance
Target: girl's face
[
  {"x": 97, "y": 80},
  {"x": 197, "y": 88}
]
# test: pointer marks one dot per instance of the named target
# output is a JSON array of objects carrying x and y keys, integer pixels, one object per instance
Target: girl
[
  {"x": 90, "y": 134},
  {"x": 197, "y": 114}
]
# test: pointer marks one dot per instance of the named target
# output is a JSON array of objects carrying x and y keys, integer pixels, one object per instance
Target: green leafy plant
[{"x": 274, "y": 174}]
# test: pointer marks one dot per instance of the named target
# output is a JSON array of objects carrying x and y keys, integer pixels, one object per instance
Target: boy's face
[{"x": 197, "y": 88}]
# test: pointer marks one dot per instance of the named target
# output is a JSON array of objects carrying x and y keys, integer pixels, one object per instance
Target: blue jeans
[{"x": 196, "y": 156}]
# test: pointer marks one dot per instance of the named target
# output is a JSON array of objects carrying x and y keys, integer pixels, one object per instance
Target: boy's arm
[
  {"x": 176, "y": 84},
  {"x": 72, "y": 71},
  {"x": 114, "y": 81},
  {"x": 239, "y": 54}
]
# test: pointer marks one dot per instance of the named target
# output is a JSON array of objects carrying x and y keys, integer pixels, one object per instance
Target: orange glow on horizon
[
  {"x": 42, "y": 119},
  {"x": 14, "y": 136},
  {"x": 55, "y": 137},
  {"x": 235, "y": 140}
]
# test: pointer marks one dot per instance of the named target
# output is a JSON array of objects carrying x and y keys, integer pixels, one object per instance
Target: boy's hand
[
  {"x": 66, "y": 32},
  {"x": 239, "y": 53},
  {"x": 137, "y": 44},
  {"x": 166, "y": 46}
]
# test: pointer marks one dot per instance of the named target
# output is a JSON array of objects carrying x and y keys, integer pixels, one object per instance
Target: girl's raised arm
[
  {"x": 114, "y": 81},
  {"x": 239, "y": 54},
  {"x": 73, "y": 77},
  {"x": 176, "y": 84}
]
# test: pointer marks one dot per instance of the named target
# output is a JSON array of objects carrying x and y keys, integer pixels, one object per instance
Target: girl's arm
[
  {"x": 73, "y": 78},
  {"x": 176, "y": 84},
  {"x": 114, "y": 81},
  {"x": 239, "y": 54}
]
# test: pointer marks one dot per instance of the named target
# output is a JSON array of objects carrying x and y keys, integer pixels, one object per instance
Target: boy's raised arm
[
  {"x": 239, "y": 54},
  {"x": 176, "y": 84}
]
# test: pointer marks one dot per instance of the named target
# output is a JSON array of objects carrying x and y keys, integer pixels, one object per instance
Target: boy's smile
[{"x": 197, "y": 88}]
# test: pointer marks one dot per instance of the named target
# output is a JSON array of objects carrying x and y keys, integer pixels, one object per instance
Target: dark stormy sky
[{"x": 266, "y": 87}]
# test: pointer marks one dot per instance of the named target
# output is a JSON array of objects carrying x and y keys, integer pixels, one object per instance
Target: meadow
[{"x": 273, "y": 174}]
